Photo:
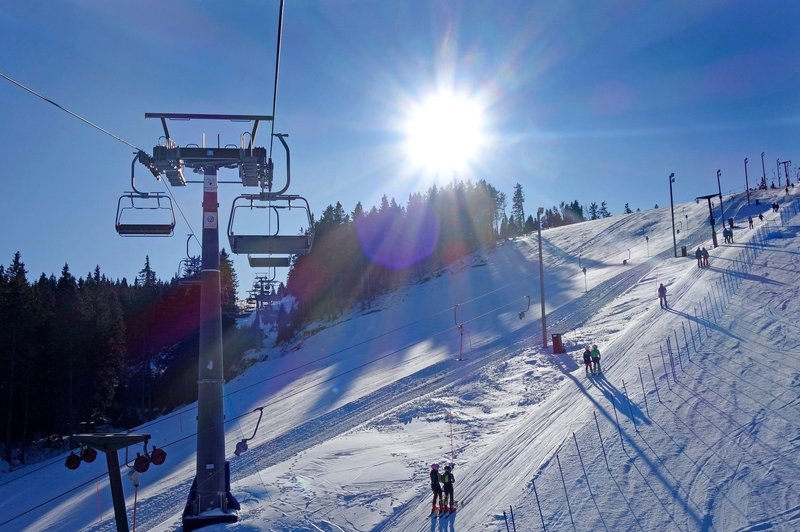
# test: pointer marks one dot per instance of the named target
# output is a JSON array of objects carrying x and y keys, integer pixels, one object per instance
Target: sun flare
[{"x": 444, "y": 133}]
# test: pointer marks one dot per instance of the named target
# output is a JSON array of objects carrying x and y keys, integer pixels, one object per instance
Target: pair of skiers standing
[
  {"x": 591, "y": 359},
  {"x": 442, "y": 487}
]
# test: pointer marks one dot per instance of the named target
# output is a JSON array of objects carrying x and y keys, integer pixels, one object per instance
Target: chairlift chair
[
  {"x": 268, "y": 262},
  {"x": 131, "y": 202},
  {"x": 189, "y": 267},
  {"x": 275, "y": 243},
  {"x": 135, "y": 201}
]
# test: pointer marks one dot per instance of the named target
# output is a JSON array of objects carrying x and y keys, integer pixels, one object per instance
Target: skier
[
  {"x": 750, "y": 221},
  {"x": 662, "y": 296},
  {"x": 587, "y": 359},
  {"x": 704, "y": 252},
  {"x": 699, "y": 256},
  {"x": 760, "y": 217},
  {"x": 447, "y": 484},
  {"x": 595, "y": 353},
  {"x": 435, "y": 487}
]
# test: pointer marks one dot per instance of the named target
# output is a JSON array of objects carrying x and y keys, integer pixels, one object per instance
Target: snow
[{"x": 356, "y": 411}]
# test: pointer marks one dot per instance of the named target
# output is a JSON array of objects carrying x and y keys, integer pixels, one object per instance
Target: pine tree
[
  {"x": 604, "y": 213},
  {"x": 147, "y": 277},
  {"x": 530, "y": 224},
  {"x": 627, "y": 209},
  {"x": 517, "y": 208},
  {"x": 228, "y": 283},
  {"x": 594, "y": 211},
  {"x": 16, "y": 317}
]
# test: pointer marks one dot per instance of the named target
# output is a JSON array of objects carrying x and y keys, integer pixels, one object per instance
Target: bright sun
[{"x": 444, "y": 134}]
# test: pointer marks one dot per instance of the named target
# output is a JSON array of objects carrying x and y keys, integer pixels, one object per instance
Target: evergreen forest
[{"x": 91, "y": 353}]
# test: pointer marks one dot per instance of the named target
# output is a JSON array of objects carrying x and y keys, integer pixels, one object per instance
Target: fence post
[
  {"x": 588, "y": 485},
  {"x": 653, "y": 373},
  {"x": 617, "y": 418},
  {"x": 603, "y": 447},
  {"x": 630, "y": 407},
  {"x": 671, "y": 360},
  {"x": 644, "y": 392},
  {"x": 686, "y": 341},
  {"x": 691, "y": 333},
  {"x": 664, "y": 360},
  {"x": 678, "y": 347},
  {"x": 569, "y": 507},
  {"x": 513, "y": 524},
  {"x": 505, "y": 518},
  {"x": 537, "y": 504},
  {"x": 704, "y": 312}
]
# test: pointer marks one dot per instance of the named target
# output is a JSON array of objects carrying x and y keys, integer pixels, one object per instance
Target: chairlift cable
[
  {"x": 275, "y": 83},
  {"x": 178, "y": 205},
  {"x": 84, "y": 120},
  {"x": 48, "y": 100}
]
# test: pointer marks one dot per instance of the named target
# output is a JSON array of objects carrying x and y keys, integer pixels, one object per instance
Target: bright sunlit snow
[{"x": 694, "y": 424}]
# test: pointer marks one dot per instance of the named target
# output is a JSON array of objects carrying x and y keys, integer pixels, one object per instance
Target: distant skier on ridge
[{"x": 662, "y": 296}]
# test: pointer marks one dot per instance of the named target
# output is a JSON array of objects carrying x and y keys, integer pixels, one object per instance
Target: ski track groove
[{"x": 158, "y": 509}]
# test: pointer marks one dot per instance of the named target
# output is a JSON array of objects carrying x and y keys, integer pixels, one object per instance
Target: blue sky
[{"x": 581, "y": 100}]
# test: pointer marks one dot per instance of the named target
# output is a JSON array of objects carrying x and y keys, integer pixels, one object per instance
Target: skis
[{"x": 444, "y": 513}]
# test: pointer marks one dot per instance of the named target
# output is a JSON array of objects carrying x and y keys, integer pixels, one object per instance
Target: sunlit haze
[{"x": 444, "y": 134}]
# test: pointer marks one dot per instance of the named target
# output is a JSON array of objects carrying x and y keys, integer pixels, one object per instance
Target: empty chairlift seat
[
  {"x": 270, "y": 241},
  {"x": 145, "y": 214}
]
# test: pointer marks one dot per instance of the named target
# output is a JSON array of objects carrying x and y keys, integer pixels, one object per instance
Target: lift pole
[{"x": 211, "y": 489}]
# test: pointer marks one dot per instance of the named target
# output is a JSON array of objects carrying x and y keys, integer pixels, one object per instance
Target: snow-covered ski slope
[{"x": 358, "y": 408}]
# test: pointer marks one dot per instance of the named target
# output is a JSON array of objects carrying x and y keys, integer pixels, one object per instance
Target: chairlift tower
[{"x": 210, "y": 500}]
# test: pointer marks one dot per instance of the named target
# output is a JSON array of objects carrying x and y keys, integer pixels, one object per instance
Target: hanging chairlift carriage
[
  {"x": 144, "y": 213},
  {"x": 270, "y": 248},
  {"x": 266, "y": 243},
  {"x": 189, "y": 267}
]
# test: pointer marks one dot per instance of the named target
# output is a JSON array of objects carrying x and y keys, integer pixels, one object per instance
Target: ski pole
[
  {"x": 600, "y": 436},
  {"x": 513, "y": 525}
]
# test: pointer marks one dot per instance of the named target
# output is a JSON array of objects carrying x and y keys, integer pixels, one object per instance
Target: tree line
[
  {"x": 78, "y": 351},
  {"x": 360, "y": 254}
]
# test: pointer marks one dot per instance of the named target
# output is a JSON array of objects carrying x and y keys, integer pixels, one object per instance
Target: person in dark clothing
[
  {"x": 760, "y": 217},
  {"x": 750, "y": 221},
  {"x": 587, "y": 359},
  {"x": 447, "y": 486},
  {"x": 662, "y": 296},
  {"x": 436, "y": 487},
  {"x": 699, "y": 256},
  {"x": 704, "y": 252},
  {"x": 595, "y": 359}
]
